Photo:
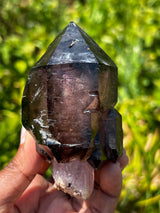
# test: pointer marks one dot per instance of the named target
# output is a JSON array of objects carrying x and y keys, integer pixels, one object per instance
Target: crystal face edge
[
  {"x": 78, "y": 48},
  {"x": 111, "y": 135},
  {"x": 38, "y": 106},
  {"x": 73, "y": 45}
]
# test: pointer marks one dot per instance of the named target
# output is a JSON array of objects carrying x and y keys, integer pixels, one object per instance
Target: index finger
[{"x": 19, "y": 173}]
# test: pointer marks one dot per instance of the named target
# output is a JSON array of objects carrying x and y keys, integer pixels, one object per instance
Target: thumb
[{"x": 19, "y": 173}]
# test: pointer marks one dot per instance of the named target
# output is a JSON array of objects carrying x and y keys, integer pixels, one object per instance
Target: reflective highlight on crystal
[{"x": 69, "y": 98}]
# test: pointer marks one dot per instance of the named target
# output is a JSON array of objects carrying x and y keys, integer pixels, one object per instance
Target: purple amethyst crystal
[{"x": 69, "y": 98}]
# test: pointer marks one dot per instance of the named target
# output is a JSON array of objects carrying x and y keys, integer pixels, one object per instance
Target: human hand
[{"x": 25, "y": 190}]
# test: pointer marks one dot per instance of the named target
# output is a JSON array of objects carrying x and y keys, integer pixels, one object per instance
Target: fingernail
[{"x": 23, "y": 134}]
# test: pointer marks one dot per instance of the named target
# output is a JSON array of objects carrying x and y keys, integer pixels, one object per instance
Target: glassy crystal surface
[
  {"x": 111, "y": 135},
  {"x": 69, "y": 98}
]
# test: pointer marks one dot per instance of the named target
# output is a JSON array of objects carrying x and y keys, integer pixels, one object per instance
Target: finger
[
  {"x": 27, "y": 158},
  {"x": 15, "y": 177},
  {"x": 123, "y": 160},
  {"x": 105, "y": 197},
  {"x": 29, "y": 200},
  {"x": 43, "y": 197},
  {"x": 110, "y": 179},
  {"x": 108, "y": 186},
  {"x": 102, "y": 203}
]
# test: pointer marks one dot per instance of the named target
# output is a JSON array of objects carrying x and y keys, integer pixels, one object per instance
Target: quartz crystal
[{"x": 68, "y": 103}]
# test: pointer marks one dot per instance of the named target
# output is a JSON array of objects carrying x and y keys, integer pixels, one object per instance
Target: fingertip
[
  {"x": 111, "y": 178},
  {"x": 123, "y": 160},
  {"x": 19, "y": 173},
  {"x": 29, "y": 159}
]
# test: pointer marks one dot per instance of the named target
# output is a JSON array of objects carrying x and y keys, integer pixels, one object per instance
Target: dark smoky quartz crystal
[
  {"x": 111, "y": 135},
  {"x": 69, "y": 98}
]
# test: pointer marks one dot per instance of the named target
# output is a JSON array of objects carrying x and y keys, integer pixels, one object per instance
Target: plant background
[{"x": 129, "y": 31}]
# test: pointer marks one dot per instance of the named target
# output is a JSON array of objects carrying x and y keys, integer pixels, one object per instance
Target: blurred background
[{"x": 129, "y": 32}]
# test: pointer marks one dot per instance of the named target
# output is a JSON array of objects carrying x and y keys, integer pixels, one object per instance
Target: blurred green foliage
[{"x": 129, "y": 31}]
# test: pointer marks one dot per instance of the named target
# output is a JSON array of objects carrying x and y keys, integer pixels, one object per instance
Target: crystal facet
[{"x": 69, "y": 98}]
